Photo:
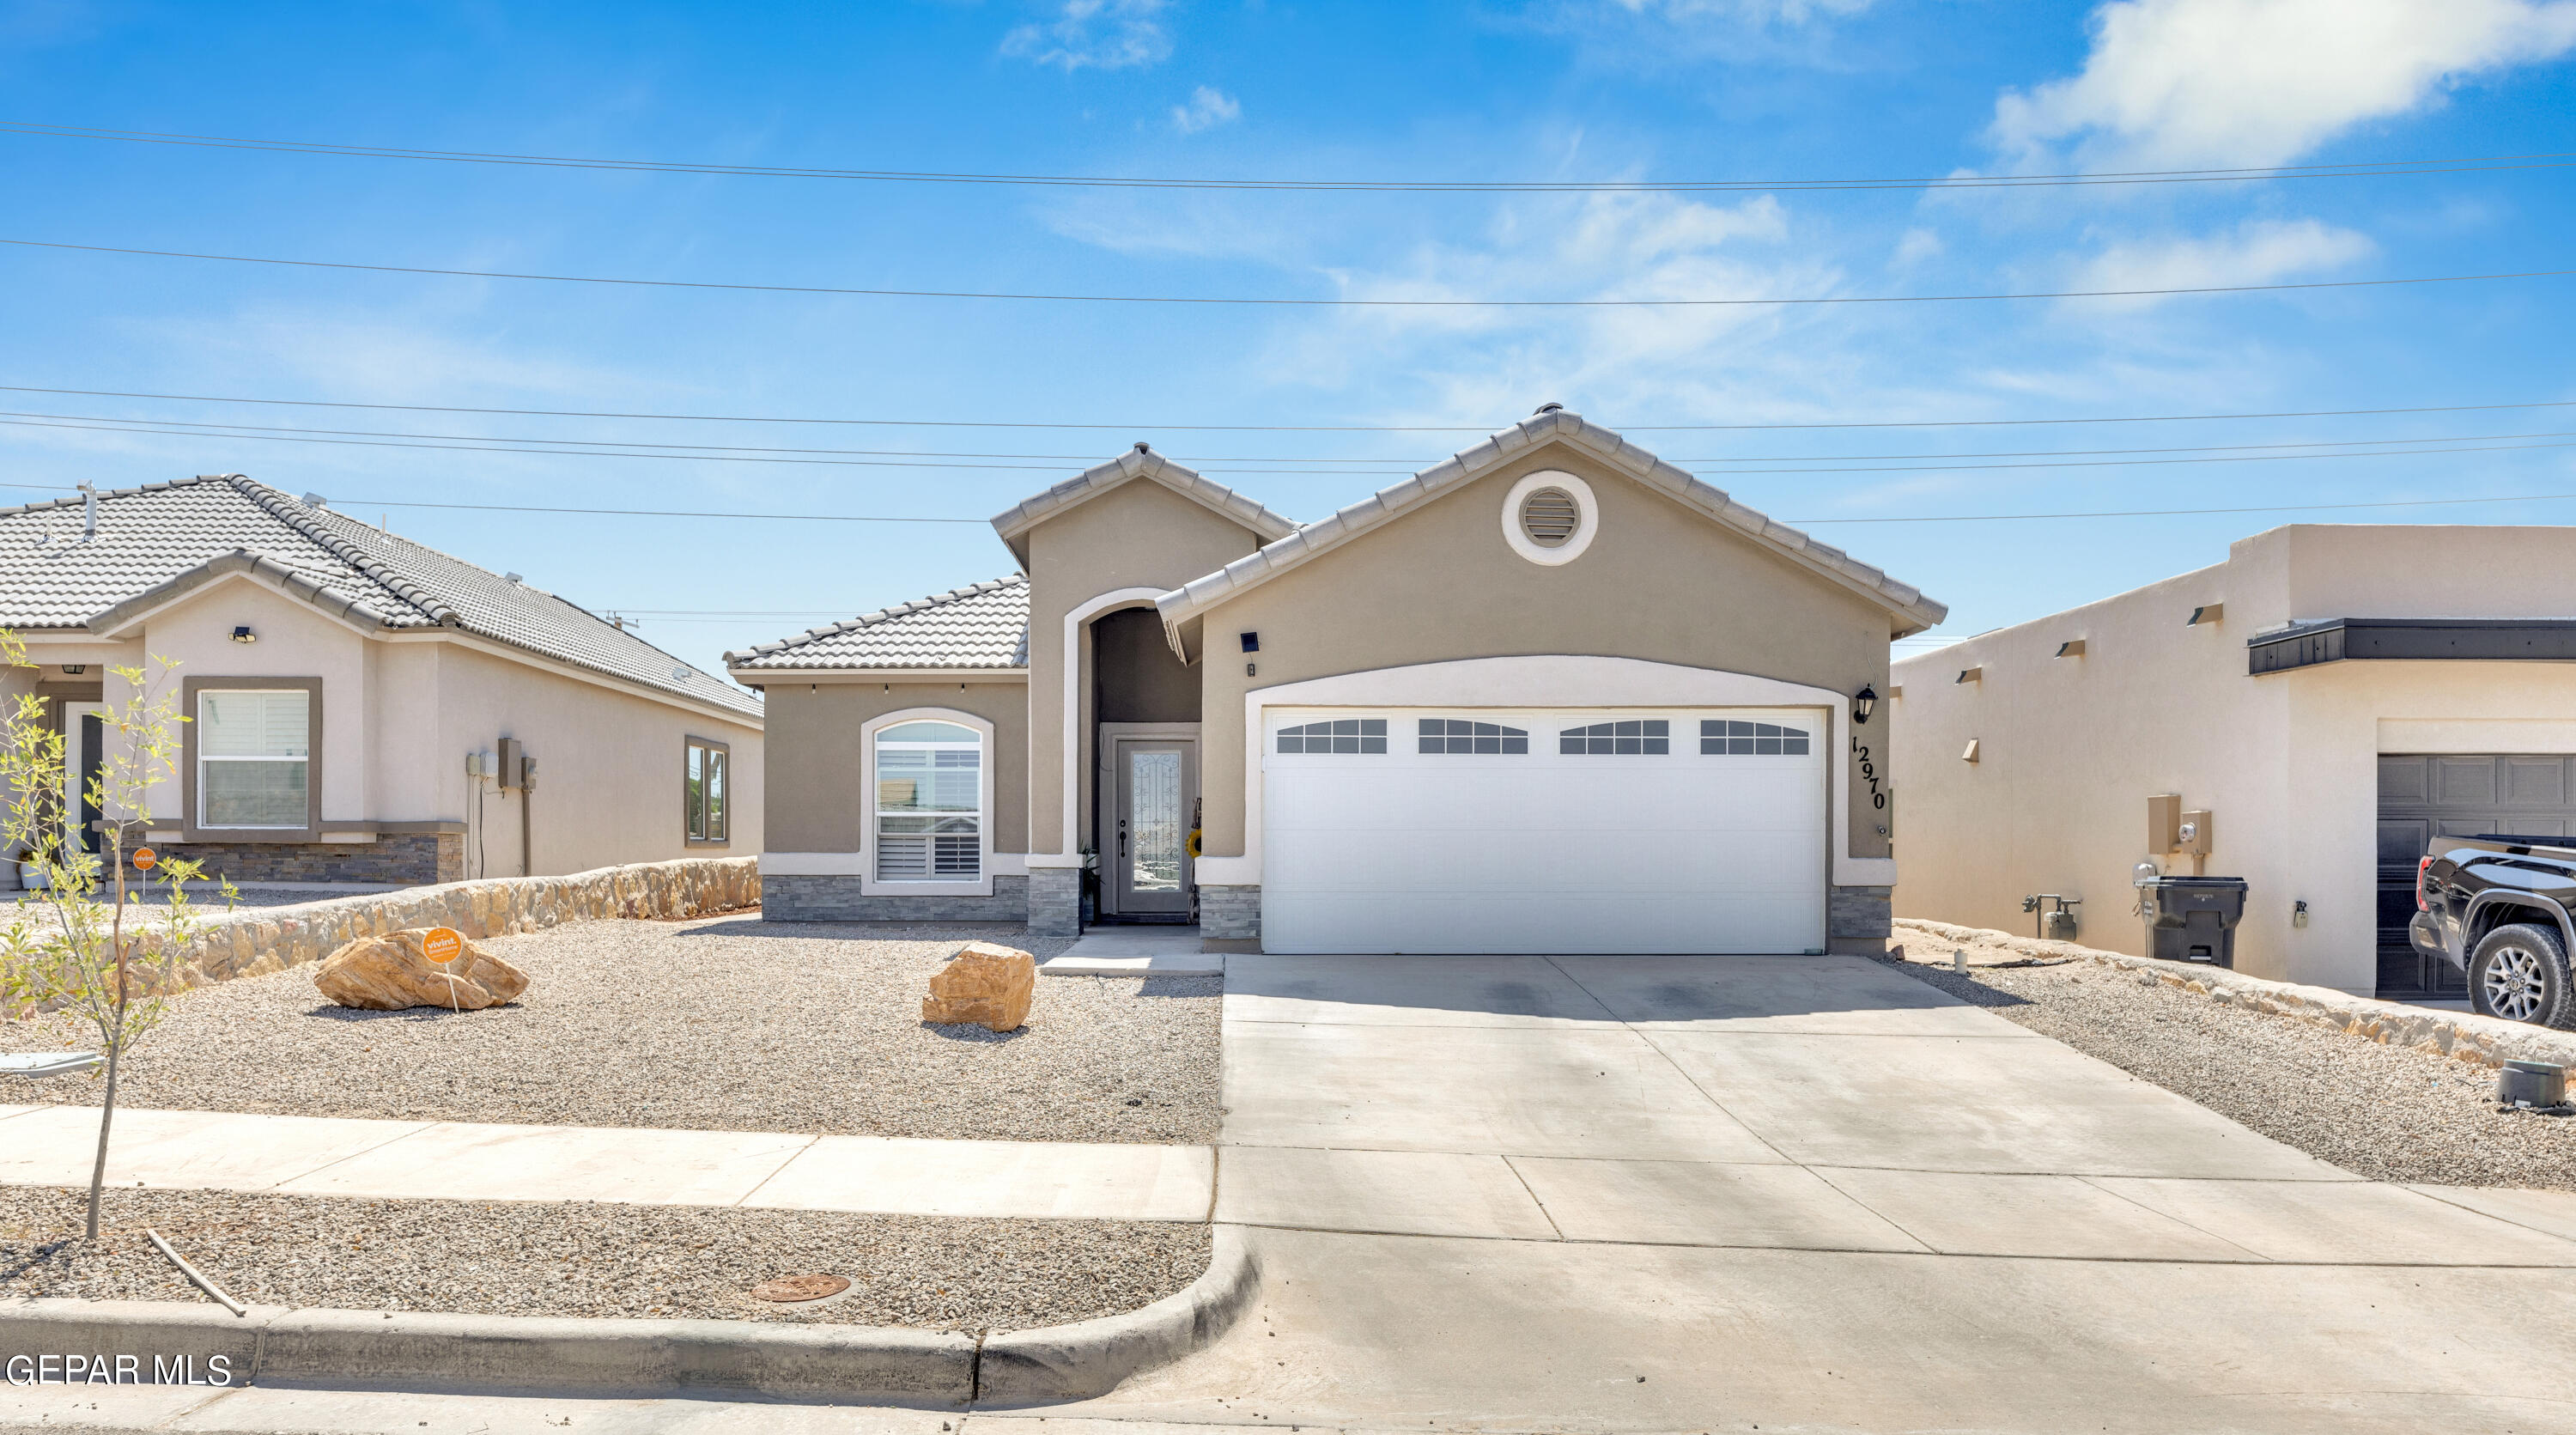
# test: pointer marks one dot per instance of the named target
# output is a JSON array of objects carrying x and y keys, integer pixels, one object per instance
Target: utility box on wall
[{"x": 2164, "y": 823}]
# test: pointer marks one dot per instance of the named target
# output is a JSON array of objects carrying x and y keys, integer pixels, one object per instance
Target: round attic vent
[{"x": 1549, "y": 518}]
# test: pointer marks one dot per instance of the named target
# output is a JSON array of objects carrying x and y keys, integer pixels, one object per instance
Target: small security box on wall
[
  {"x": 2164, "y": 822},
  {"x": 511, "y": 756}
]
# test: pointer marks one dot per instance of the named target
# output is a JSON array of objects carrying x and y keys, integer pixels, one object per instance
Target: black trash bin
[{"x": 2193, "y": 919}]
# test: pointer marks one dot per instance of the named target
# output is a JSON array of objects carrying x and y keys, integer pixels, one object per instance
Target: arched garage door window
[{"x": 930, "y": 817}]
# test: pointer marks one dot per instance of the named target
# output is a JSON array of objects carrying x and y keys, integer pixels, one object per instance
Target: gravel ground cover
[
  {"x": 2389, "y": 1113},
  {"x": 545, "y": 1258},
  {"x": 723, "y": 1023}
]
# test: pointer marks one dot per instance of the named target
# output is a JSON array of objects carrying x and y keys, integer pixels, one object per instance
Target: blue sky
[{"x": 1552, "y": 90}]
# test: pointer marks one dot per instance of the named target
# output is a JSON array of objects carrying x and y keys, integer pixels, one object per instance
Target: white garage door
[{"x": 1568, "y": 831}]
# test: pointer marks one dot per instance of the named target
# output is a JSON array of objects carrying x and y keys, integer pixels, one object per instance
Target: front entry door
[
  {"x": 1150, "y": 864},
  {"x": 84, "y": 754}
]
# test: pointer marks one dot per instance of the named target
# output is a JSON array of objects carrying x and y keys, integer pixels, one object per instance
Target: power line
[
  {"x": 1239, "y": 301},
  {"x": 1281, "y": 428},
  {"x": 2359, "y": 169},
  {"x": 616, "y": 448},
  {"x": 360, "y": 503},
  {"x": 2470, "y": 444}
]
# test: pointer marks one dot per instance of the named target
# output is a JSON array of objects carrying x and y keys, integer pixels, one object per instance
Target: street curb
[
  {"x": 2462, "y": 1036},
  {"x": 277, "y": 1345},
  {"x": 1093, "y": 1357}
]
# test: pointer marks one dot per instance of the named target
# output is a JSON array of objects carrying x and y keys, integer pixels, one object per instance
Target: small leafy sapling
[{"x": 84, "y": 950}]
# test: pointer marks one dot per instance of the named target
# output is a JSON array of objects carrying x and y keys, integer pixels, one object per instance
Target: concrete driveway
[{"x": 1705, "y": 1193}]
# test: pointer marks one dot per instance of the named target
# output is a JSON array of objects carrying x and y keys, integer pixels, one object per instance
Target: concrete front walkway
[
  {"x": 465, "y": 1161},
  {"x": 1714, "y": 1193}
]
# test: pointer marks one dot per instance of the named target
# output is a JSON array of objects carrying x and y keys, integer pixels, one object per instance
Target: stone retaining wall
[
  {"x": 256, "y": 941},
  {"x": 2460, "y": 1035}
]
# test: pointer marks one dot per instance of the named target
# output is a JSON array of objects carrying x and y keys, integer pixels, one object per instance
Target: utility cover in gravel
[
  {"x": 582, "y": 1259},
  {"x": 2389, "y": 1113},
  {"x": 725, "y": 1023}
]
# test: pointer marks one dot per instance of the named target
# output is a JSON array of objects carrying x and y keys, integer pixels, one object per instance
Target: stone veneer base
[
  {"x": 838, "y": 899},
  {"x": 392, "y": 857},
  {"x": 1055, "y": 901},
  {"x": 1230, "y": 914}
]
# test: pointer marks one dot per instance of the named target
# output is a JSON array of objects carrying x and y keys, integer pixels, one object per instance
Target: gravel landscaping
[
  {"x": 2389, "y": 1113},
  {"x": 723, "y": 1023},
  {"x": 583, "y": 1259}
]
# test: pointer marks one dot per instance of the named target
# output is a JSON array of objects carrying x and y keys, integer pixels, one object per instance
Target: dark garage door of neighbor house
[{"x": 2421, "y": 798}]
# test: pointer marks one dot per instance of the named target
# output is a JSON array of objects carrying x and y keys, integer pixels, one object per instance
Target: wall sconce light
[
  {"x": 243, "y": 634},
  {"x": 1252, "y": 642},
  {"x": 75, "y": 669},
  {"x": 1864, "y": 703}
]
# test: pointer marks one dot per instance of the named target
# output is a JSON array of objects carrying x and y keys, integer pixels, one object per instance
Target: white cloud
[
  {"x": 1208, "y": 108},
  {"x": 1103, "y": 34},
  {"x": 2258, "y": 82},
  {"x": 2257, "y": 252},
  {"x": 1917, "y": 245}
]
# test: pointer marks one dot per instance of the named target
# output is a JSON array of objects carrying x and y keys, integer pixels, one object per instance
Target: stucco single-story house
[
  {"x": 361, "y": 708},
  {"x": 2330, "y": 697},
  {"x": 1551, "y": 695}
]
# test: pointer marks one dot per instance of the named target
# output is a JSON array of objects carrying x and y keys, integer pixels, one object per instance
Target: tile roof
[
  {"x": 1138, "y": 462},
  {"x": 984, "y": 625},
  {"x": 1903, "y": 601},
  {"x": 161, "y": 540}
]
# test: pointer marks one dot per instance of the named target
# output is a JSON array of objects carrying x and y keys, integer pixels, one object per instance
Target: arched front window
[{"x": 930, "y": 803}]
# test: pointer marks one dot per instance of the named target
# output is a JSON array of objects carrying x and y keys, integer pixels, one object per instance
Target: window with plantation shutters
[
  {"x": 929, "y": 803},
  {"x": 254, "y": 758}
]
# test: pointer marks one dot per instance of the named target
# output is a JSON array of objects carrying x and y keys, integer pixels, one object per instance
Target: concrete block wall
[{"x": 838, "y": 899}]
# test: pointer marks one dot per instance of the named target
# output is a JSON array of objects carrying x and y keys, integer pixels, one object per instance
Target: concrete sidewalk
[
  {"x": 465, "y": 1161},
  {"x": 1708, "y": 1193}
]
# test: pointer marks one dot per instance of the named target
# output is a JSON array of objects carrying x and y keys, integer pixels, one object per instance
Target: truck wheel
[{"x": 2520, "y": 973}]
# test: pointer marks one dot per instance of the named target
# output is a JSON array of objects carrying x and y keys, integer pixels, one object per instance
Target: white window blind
[
  {"x": 254, "y": 758},
  {"x": 929, "y": 803}
]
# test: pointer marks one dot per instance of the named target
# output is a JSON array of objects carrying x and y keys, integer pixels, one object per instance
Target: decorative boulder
[
  {"x": 389, "y": 973},
  {"x": 983, "y": 983}
]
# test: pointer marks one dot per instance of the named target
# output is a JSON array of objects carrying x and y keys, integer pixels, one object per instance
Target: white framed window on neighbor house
[
  {"x": 705, "y": 791},
  {"x": 254, "y": 750},
  {"x": 929, "y": 802}
]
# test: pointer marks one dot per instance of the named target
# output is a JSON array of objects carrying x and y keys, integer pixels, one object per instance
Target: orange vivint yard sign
[
  {"x": 144, "y": 857},
  {"x": 441, "y": 944}
]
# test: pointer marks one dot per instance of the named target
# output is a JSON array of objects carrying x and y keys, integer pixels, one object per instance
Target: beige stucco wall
[
  {"x": 1138, "y": 535},
  {"x": 820, "y": 803},
  {"x": 610, "y": 768},
  {"x": 1659, "y": 582},
  {"x": 400, "y": 711},
  {"x": 2071, "y": 748}
]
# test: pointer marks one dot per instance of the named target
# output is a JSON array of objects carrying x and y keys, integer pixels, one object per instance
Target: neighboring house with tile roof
[
  {"x": 1550, "y": 695},
  {"x": 337, "y": 677}
]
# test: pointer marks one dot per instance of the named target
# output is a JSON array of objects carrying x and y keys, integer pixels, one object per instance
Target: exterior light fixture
[
  {"x": 1864, "y": 703},
  {"x": 243, "y": 634},
  {"x": 1252, "y": 642},
  {"x": 75, "y": 669}
]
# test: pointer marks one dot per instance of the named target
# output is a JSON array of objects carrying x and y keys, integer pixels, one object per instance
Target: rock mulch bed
[
  {"x": 547, "y": 1258},
  {"x": 724, "y": 1023},
  {"x": 2390, "y": 1113}
]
